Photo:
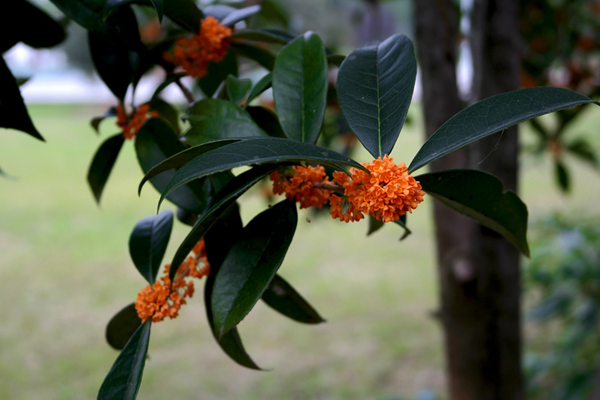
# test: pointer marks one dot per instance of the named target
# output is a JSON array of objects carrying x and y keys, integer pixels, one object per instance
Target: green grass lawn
[{"x": 65, "y": 270}]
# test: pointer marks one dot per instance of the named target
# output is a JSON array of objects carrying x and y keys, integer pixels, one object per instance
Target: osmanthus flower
[
  {"x": 131, "y": 124},
  {"x": 386, "y": 192},
  {"x": 162, "y": 300},
  {"x": 194, "y": 54}
]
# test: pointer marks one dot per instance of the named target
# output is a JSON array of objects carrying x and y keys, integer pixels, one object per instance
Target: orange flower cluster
[
  {"x": 299, "y": 186},
  {"x": 195, "y": 53},
  {"x": 130, "y": 125},
  {"x": 161, "y": 300},
  {"x": 387, "y": 192}
]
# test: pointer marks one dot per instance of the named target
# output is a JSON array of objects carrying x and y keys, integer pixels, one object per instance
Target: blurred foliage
[{"x": 565, "y": 273}]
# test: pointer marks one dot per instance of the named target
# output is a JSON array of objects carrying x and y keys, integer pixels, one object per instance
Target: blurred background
[{"x": 65, "y": 268}]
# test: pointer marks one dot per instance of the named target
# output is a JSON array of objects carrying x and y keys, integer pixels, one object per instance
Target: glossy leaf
[
  {"x": 261, "y": 56},
  {"x": 124, "y": 378},
  {"x": 217, "y": 73},
  {"x": 263, "y": 84},
  {"x": 239, "y": 15},
  {"x": 225, "y": 199},
  {"x": 493, "y": 115},
  {"x": 300, "y": 79},
  {"x": 185, "y": 13},
  {"x": 96, "y": 121},
  {"x": 154, "y": 143},
  {"x": 238, "y": 89},
  {"x": 480, "y": 196},
  {"x": 266, "y": 120},
  {"x": 148, "y": 243},
  {"x": 374, "y": 225},
  {"x": 218, "y": 242},
  {"x": 102, "y": 164},
  {"x": 214, "y": 119},
  {"x": 282, "y": 297},
  {"x": 122, "y": 327},
  {"x": 13, "y": 113},
  {"x": 251, "y": 264},
  {"x": 87, "y": 13},
  {"x": 166, "y": 112},
  {"x": 182, "y": 158},
  {"x": 255, "y": 151},
  {"x": 264, "y": 35},
  {"x": 375, "y": 86},
  {"x": 402, "y": 223},
  {"x": 25, "y": 23},
  {"x": 111, "y": 5},
  {"x": 336, "y": 59}
]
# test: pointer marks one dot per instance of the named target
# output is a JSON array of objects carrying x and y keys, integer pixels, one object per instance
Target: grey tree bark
[{"x": 478, "y": 270}]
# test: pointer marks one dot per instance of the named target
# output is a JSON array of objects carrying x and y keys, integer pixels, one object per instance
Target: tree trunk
[{"x": 478, "y": 270}]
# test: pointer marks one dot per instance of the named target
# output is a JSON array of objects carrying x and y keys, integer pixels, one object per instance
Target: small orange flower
[
  {"x": 131, "y": 125},
  {"x": 299, "y": 186},
  {"x": 161, "y": 300},
  {"x": 195, "y": 53}
]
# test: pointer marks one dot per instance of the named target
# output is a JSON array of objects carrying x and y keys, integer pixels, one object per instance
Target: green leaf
[
  {"x": 254, "y": 151},
  {"x": 402, "y": 223},
  {"x": 102, "y": 164},
  {"x": 374, "y": 225},
  {"x": 375, "y": 86},
  {"x": 182, "y": 158},
  {"x": 13, "y": 113},
  {"x": 25, "y": 23},
  {"x": 264, "y": 35},
  {"x": 166, "y": 112},
  {"x": 148, "y": 243},
  {"x": 87, "y": 13},
  {"x": 185, "y": 13},
  {"x": 562, "y": 176},
  {"x": 481, "y": 196},
  {"x": 124, "y": 378},
  {"x": 214, "y": 119},
  {"x": 160, "y": 8},
  {"x": 266, "y": 120},
  {"x": 226, "y": 198},
  {"x": 300, "y": 79},
  {"x": 238, "y": 89},
  {"x": 154, "y": 143},
  {"x": 168, "y": 80},
  {"x": 263, "y": 84},
  {"x": 218, "y": 243},
  {"x": 336, "y": 59},
  {"x": 122, "y": 327},
  {"x": 251, "y": 264},
  {"x": 217, "y": 73},
  {"x": 95, "y": 122},
  {"x": 282, "y": 297},
  {"x": 493, "y": 115},
  {"x": 239, "y": 15},
  {"x": 581, "y": 149},
  {"x": 260, "y": 55}
]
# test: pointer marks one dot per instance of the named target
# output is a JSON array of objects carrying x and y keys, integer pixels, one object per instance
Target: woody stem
[
  {"x": 188, "y": 95},
  {"x": 328, "y": 186}
]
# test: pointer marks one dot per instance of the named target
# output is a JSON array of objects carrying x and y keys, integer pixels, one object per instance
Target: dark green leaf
[
  {"x": 226, "y": 197},
  {"x": 122, "y": 326},
  {"x": 264, "y": 35},
  {"x": 13, "y": 113},
  {"x": 255, "y": 151},
  {"x": 562, "y": 176},
  {"x": 185, "y": 13},
  {"x": 261, "y": 56},
  {"x": 102, "y": 164},
  {"x": 300, "y": 87},
  {"x": 169, "y": 80},
  {"x": 124, "y": 378},
  {"x": 493, "y": 115},
  {"x": 159, "y": 7},
  {"x": 251, "y": 264},
  {"x": 374, "y": 225},
  {"x": 581, "y": 149},
  {"x": 95, "y": 122},
  {"x": 263, "y": 84},
  {"x": 282, "y": 297},
  {"x": 214, "y": 119},
  {"x": 154, "y": 143},
  {"x": 336, "y": 59},
  {"x": 148, "y": 243},
  {"x": 182, "y": 158},
  {"x": 402, "y": 223},
  {"x": 151, "y": 56},
  {"x": 266, "y": 120},
  {"x": 218, "y": 242},
  {"x": 239, "y": 15},
  {"x": 480, "y": 196},
  {"x": 238, "y": 89},
  {"x": 217, "y": 73},
  {"x": 166, "y": 112},
  {"x": 375, "y": 86},
  {"x": 87, "y": 13},
  {"x": 25, "y": 23}
]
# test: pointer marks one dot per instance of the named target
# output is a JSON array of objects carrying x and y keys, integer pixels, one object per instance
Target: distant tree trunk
[{"x": 478, "y": 270}]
